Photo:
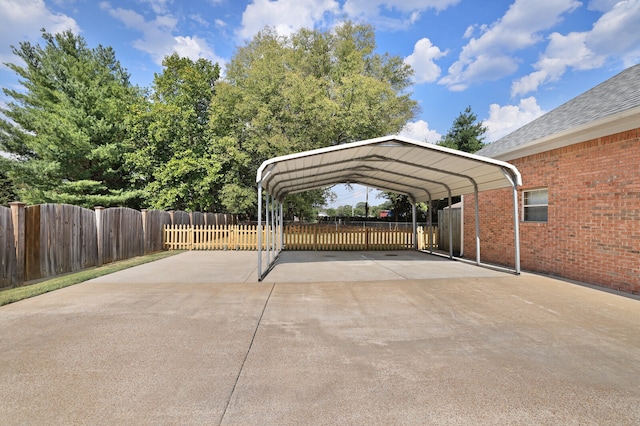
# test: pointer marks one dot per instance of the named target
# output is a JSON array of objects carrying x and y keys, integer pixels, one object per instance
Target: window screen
[{"x": 535, "y": 205}]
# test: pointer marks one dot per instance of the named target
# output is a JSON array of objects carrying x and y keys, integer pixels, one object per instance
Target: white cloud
[
  {"x": 22, "y": 21},
  {"x": 616, "y": 34},
  {"x": 505, "y": 119},
  {"x": 286, "y": 16},
  {"x": 378, "y": 12},
  {"x": 484, "y": 68},
  {"x": 471, "y": 29},
  {"x": 373, "y": 8},
  {"x": 602, "y": 5},
  {"x": 422, "y": 61},
  {"x": 199, "y": 19},
  {"x": 490, "y": 56},
  {"x": 193, "y": 47},
  {"x": 157, "y": 36},
  {"x": 419, "y": 130},
  {"x": 561, "y": 52},
  {"x": 158, "y": 6}
]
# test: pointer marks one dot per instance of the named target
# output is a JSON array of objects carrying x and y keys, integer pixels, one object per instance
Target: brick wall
[{"x": 593, "y": 231}]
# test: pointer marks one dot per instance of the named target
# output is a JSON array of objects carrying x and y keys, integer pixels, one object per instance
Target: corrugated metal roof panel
[{"x": 392, "y": 163}]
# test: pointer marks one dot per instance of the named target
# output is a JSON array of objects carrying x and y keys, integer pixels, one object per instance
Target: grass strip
[{"x": 19, "y": 293}]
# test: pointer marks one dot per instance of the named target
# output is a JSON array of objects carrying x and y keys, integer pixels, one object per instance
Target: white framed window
[{"x": 535, "y": 205}]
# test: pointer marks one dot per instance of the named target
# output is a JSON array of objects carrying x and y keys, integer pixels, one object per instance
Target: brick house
[{"x": 580, "y": 199}]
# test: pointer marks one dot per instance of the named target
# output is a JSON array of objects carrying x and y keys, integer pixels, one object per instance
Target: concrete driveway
[{"x": 328, "y": 338}]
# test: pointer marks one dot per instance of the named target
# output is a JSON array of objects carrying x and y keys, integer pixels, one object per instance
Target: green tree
[
  {"x": 344, "y": 211},
  {"x": 66, "y": 126},
  {"x": 310, "y": 90},
  {"x": 400, "y": 206},
  {"x": 170, "y": 156},
  {"x": 361, "y": 209},
  {"x": 466, "y": 134},
  {"x": 375, "y": 210},
  {"x": 7, "y": 188}
]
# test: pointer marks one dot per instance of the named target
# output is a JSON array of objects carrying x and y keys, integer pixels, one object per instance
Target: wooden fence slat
[{"x": 8, "y": 265}]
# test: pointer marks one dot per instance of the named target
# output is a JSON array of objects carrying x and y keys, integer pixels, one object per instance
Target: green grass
[{"x": 20, "y": 293}]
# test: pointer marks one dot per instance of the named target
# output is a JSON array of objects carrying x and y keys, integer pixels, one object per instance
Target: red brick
[{"x": 594, "y": 214}]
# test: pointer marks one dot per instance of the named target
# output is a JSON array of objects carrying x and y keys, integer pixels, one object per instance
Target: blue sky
[{"x": 510, "y": 60}]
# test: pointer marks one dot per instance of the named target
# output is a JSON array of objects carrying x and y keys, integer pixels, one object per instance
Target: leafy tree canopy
[
  {"x": 171, "y": 158},
  {"x": 67, "y": 124},
  {"x": 310, "y": 90}
]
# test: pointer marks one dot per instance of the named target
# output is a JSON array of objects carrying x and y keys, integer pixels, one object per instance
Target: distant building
[{"x": 580, "y": 199}]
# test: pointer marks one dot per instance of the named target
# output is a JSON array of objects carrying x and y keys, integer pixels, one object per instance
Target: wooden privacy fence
[
  {"x": 51, "y": 239},
  {"x": 296, "y": 237},
  {"x": 59, "y": 238},
  {"x": 456, "y": 229}
]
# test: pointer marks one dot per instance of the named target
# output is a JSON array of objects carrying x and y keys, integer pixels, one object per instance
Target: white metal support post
[
  {"x": 430, "y": 225},
  {"x": 259, "y": 231},
  {"x": 273, "y": 228},
  {"x": 414, "y": 210},
  {"x": 516, "y": 228},
  {"x": 475, "y": 188},
  {"x": 281, "y": 225},
  {"x": 450, "y": 226},
  {"x": 267, "y": 244},
  {"x": 516, "y": 219}
]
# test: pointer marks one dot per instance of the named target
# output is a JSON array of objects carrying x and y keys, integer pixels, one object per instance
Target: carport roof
[{"x": 419, "y": 170}]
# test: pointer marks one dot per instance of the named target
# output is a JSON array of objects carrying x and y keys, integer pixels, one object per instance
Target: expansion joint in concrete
[{"x": 246, "y": 355}]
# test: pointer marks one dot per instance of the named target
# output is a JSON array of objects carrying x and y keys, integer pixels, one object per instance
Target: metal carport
[{"x": 422, "y": 171}]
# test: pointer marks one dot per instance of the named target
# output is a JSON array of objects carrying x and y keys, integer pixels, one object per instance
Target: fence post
[
  {"x": 235, "y": 239},
  {"x": 100, "y": 237},
  {"x": 18, "y": 219},
  {"x": 315, "y": 238},
  {"x": 145, "y": 233},
  {"x": 171, "y": 216}
]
